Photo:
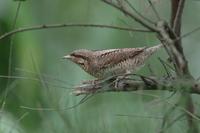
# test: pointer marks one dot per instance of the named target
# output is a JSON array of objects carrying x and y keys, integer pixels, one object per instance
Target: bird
[{"x": 110, "y": 62}]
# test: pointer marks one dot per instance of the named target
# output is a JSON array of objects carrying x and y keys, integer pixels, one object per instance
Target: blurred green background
[{"x": 44, "y": 80}]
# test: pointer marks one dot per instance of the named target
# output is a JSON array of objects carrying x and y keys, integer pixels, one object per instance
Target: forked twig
[
  {"x": 139, "y": 14},
  {"x": 131, "y": 15}
]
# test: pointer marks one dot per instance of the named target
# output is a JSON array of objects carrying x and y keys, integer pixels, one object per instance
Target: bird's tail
[
  {"x": 153, "y": 49},
  {"x": 156, "y": 47}
]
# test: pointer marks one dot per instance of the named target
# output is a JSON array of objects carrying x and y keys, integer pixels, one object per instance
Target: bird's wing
[
  {"x": 102, "y": 52},
  {"x": 109, "y": 58}
]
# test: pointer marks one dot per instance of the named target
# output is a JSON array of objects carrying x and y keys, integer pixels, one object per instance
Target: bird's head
[{"x": 81, "y": 57}]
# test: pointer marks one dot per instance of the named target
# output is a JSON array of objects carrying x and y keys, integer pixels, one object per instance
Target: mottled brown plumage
[{"x": 104, "y": 63}]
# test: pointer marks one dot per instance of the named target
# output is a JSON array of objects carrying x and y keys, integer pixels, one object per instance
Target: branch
[
  {"x": 167, "y": 37},
  {"x": 127, "y": 84},
  {"x": 176, "y": 14},
  {"x": 131, "y": 15},
  {"x": 177, "y": 10},
  {"x": 41, "y": 27},
  {"x": 137, "y": 12}
]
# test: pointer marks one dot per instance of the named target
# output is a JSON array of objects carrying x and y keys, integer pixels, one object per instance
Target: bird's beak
[{"x": 67, "y": 57}]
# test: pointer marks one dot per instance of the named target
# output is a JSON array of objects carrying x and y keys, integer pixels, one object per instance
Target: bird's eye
[
  {"x": 82, "y": 64},
  {"x": 81, "y": 61}
]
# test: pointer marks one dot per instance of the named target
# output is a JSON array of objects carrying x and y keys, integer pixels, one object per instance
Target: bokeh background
[{"x": 41, "y": 80}]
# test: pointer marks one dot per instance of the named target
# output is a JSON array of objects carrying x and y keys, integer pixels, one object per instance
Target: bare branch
[
  {"x": 139, "y": 14},
  {"x": 177, "y": 15},
  {"x": 126, "y": 85},
  {"x": 131, "y": 15},
  {"x": 41, "y": 27},
  {"x": 167, "y": 36}
]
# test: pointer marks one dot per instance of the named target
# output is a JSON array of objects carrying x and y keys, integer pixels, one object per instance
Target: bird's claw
[
  {"x": 118, "y": 80},
  {"x": 93, "y": 82}
]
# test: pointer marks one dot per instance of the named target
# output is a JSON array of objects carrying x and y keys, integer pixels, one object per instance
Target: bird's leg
[
  {"x": 93, "y": 82},
  {"x": 119, "y": 78}
]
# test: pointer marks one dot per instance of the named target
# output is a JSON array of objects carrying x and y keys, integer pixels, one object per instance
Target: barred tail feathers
[{"x": 153, "y": 49}]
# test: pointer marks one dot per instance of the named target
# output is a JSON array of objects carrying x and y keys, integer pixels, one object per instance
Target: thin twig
[
  {"x": 187, "y": 34},
  {"x": 151, "y": 70},
  {"x": 43, "y": 83},
  {"x": 46, "y": 76},
  {"x": 140, "y": 116},
  {"x": 10, "y": 54},
  {"x": 83, "y": 100},
  {"x": 139, "y": 14},
  {"x": 11, "y": 41},
  {"x": 154, "y": 10},
  {"x": 131, "y": 15},
  {"x": 49, "y": 26},
  {"x": 34, "y": 79},
  {"x": 165, "y": 67}
]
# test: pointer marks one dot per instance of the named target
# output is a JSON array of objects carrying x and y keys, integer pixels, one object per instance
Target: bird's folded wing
[{"x": 113, "y": 57}]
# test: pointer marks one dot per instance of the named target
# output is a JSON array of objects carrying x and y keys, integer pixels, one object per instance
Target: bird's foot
[
  {"x": 118, "y": 83},
  {"x": 93, "y": 82}
]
